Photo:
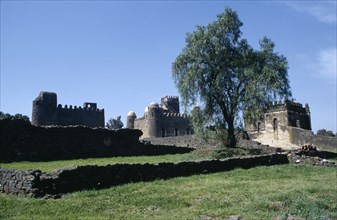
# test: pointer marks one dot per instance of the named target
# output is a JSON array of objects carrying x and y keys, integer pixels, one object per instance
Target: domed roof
[
  {"x": 146, "y": 109},
  {"x": 153, "y": 105},
  {"x": 131, "y": 113}
]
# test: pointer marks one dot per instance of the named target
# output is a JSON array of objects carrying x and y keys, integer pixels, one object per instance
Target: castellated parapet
[
  {"x": 162, "y": 120},
  {"x": 47, "y": 112}
]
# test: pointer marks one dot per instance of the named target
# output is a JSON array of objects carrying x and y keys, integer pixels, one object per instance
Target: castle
[
  {"x": 47, "y": 112},
  {"x": 162, "y": 120},
  {"x": 281, "y": 124}
]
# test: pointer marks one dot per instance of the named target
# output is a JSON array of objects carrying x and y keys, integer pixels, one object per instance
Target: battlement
[
  {"x": 288, "y": 105},
  {"x": 79, "y": 108},
  {"x": 166, "y": 114}
]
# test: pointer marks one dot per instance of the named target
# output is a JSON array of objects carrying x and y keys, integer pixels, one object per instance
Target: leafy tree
[
  {"x": 226, "y": 75},
  {"x": 13, "y": 117},
  {"x": 324, "y": 132},
  {"x": 114, "y": 123}
]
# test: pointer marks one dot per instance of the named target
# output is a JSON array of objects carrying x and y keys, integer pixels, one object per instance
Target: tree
[
  {"x": 226, "y": 75},
  {"x": 324, "y": 132},
  {"x": 115, "y": 123},
  {"x": 13, "y": 117}
]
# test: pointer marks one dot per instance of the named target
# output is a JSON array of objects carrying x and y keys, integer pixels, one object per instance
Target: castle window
[
  {"x": 187, "y": 131},
  {"x": 176, "y": 132},
  {"x": 275, "y": 124},
  {"x": 163, "y": 132}
]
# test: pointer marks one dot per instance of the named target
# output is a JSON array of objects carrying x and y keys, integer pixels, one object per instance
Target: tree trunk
[{"x": 231, "y": 140}]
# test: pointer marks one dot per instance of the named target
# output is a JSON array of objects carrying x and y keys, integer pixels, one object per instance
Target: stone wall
[
  {"x": 39, "y": 184},
  {"x": 300, "y": 136},
  {"x": 22, "y": 141}
]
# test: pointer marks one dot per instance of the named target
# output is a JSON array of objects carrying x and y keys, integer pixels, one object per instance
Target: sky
[{"x": 119, "y": 54}]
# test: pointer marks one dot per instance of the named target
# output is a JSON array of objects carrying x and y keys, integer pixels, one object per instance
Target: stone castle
[
  {"x": 286, "y": 125},
  {"x": 281, "y": 123},
  {"x": 162, "y": 120},
  {"x": 47, "y": 112}
]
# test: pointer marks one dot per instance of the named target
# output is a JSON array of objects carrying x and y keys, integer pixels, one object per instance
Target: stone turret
[
  {"x": 44, "y": 109},
  {"x": 153, "y": 119},
  {"x": 130, "y": 120}
]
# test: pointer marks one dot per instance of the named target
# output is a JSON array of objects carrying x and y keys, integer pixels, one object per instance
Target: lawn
[
  {"x": 53, "y": 165},
  {"x": 257, "y": 193}
]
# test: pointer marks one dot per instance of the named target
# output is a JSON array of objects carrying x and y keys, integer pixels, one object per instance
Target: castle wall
[
  {"x": 46, "y": 112},
  {"x": 175, "y": 125},
  {"x": 80, "y": 116}
]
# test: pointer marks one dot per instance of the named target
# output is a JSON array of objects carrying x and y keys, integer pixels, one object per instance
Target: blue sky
[{"x": 119, "y": 53}]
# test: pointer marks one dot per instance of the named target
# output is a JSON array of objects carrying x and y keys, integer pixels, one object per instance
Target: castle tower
[
  {"x": 44, "y": 109},
  {"x": 153, "y": 120},
  {"x": 130, "y": 120},
  {"x": 170, "y": 104}
]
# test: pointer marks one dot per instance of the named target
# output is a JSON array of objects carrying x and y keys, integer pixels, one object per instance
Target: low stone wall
[
  {"x": 38, "y": 184},
  {"x": 316, "y": 161},
  {"x": 22, "y": 141}
]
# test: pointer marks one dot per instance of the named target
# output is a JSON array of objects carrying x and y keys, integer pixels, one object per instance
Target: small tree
[
  {"x": 225, "y": 74},
  {"x": 114, "y": 124},
  {"x": 324, "y": 132},
  {"x": 13, "y": 117}
]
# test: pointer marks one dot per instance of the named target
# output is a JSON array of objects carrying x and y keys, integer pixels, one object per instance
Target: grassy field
[
  {"x": 257, "y": 193},
  {"x": 53, "y": 165}
]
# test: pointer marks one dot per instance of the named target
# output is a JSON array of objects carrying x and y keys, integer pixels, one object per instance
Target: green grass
[
  {"x": 258, "y": 193},
  {"x": 53, "y": 165}
]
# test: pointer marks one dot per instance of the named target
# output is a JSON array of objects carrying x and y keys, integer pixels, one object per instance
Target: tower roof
[
  {"x": 153, "y": 105},
  {"x": 131, "y": 113}
]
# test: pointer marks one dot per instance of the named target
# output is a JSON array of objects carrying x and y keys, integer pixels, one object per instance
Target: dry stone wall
[{"x": 39, "y": 184}]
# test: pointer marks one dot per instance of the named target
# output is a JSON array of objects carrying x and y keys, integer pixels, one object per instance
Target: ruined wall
[
  {"x": 22, "y": 141},
  {"x": 37, "y": 183},
  {"x": 301, "y": 137}
]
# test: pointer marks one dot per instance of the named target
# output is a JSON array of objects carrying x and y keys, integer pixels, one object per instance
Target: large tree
[{"x": 226, "y": 75}]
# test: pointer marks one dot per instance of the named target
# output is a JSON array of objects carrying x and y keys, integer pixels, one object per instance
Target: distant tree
[
  {"x": 324, "y": 132},
  {"x": 13, "y": 117},
  {"x": 114, "y": 124},
  {"x": 226, "y": 75}
]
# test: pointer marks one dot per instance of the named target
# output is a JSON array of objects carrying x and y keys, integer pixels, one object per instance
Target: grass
[
  {"x": 53, "y": 165},
  {"x": 258, "y": 193},
  {"x": 198, "y": 154}
]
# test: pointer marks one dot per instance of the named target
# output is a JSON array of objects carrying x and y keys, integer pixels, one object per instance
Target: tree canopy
[
  {"x": 115, "y": 124},
  {"x": 224, "y": 74}
]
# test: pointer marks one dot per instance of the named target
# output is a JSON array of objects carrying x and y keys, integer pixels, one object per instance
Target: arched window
[
  {"x": 163, "y": 132},
  {"x": 176, "y": 132},
  {"x": 275, "y": 124}
]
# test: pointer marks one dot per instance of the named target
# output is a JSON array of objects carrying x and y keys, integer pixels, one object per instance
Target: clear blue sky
[{"x": 119, "y": 53}]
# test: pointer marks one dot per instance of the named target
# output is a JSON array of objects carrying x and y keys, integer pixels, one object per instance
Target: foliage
[
  {"x": 13, "y": 117},
  {"x": 114, "y": 124},
  {"x": 223, "y": 72},
  {"x": 259, "y": 193},
  {"x": 324, "y": 132}
]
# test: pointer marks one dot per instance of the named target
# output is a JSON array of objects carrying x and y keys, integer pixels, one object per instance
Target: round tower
[
  {"x": 153, "y": 120},
  {"x": 130, "y": 120},
  {"x": 44, "y": 109}
]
